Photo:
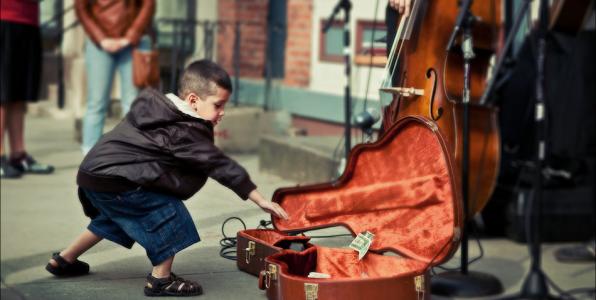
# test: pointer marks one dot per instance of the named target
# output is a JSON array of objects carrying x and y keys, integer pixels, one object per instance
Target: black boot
[
  {"x": 26, "y": 164},
  {"x": 8, "y": 171}
]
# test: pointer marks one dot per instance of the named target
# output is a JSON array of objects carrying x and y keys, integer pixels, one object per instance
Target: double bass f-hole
[{"x": 431, "y": 74}]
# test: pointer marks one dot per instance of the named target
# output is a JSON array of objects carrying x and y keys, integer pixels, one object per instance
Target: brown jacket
[{"x": 115, "y": 18}]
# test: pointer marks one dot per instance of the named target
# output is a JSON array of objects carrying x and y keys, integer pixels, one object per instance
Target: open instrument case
[{"x": 400, "y": 188}]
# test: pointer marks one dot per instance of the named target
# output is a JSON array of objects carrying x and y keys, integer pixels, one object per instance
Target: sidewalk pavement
[{"x": 41, "y": 214}]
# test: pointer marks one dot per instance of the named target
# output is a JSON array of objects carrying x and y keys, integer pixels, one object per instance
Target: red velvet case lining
[
  {"x": 400, "y": 189},
  {"x": 275, "y": 238},
  {"x": 344, "y": 263}
]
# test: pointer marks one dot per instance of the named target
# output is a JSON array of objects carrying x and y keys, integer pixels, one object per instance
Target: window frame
[
  {"x": 362, "y": 58},
  {"x": 323, "y": 56}
]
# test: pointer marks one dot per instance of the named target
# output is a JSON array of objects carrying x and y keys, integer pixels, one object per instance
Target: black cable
[
  {"x": 228, "y": 244},
  {"x": 563, "y": 294},
  {"x": 588, "y": 291},
  {"x": 471, "y": 261},
  {"x": 264, "y": 224}
]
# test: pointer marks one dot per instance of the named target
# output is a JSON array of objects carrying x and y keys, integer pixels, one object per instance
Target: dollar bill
[{"x": 361, "y": 243}]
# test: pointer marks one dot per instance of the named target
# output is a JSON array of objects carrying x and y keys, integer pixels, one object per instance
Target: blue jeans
[
  {"x": 158, "y": 222},
  {"x": 101, "y": 67}
]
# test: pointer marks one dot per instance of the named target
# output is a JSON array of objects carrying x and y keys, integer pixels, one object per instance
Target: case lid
[{"x": 401, "y": 188}]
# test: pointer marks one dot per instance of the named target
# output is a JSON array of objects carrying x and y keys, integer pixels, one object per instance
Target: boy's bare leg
[
  {"x": 82, "y": 243},
  {"x": 164, "y": 269}
]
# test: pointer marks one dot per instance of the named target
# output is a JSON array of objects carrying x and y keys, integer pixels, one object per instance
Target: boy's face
[{"x": 211, "y": 107}]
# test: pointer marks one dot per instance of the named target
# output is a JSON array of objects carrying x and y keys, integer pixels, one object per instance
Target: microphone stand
[
  {"x": 465, "y": 283},
  {"x": 535, "y": 285},
  {"x": 346, "y": 5}
]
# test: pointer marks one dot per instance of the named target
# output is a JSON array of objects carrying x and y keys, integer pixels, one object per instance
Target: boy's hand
[
  {"x": 274, "y": 209},
  {"x": 268, "y": 206}
]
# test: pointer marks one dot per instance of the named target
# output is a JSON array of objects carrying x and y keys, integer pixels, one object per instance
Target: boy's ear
[{"x": 192, "y": 98}]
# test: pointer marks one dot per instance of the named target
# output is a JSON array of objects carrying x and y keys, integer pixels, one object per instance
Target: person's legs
[
  {"x": 15, "y": 126},
  {"x": 162, "y": 225},
  {"x": 66, "y": 264},
  {"x": 128, "y": 91},
  {"x": 163, "y": 269},
  {"x": 2, "y": 126},
  {"x": 100, "y": 74},
  {"x": 6, "y": 170},
  {"x": 80, "y": 245},
  {"x": 163, "y": 282},
  {"x": 19, "y": 159}
]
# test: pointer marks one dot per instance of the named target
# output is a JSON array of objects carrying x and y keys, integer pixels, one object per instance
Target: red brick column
[
  {"x": 253, "y": 40},
  {"x": 298, "y": 43}
]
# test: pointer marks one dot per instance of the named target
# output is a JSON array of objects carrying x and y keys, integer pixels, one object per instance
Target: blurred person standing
[
  {"x": 113, "y": 28},
  {"x": 20, "y": 64}
]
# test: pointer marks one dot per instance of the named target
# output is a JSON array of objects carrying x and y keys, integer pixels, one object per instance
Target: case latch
[
  {"x": 419, "y": 286},
  {"x": 273, "y": 272},
  {"x": 265, "y": 277},
  {"x": 250, "y": 251},
  {"x": 311, "y": 291}
]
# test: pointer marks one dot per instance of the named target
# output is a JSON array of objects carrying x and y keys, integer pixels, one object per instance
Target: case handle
[{"x": 262, "y": 279}]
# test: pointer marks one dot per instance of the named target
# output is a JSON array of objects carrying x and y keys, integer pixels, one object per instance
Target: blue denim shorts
[{"x": 158, "y": 222}]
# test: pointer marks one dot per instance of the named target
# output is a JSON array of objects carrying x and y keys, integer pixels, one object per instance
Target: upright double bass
[{"x": 430, "y": 84}]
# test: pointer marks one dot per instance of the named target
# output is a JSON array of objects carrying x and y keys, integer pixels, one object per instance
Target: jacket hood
[{"x": 152, "y": 108}]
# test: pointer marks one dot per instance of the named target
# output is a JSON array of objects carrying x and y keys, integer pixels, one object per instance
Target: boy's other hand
[{"x": 268, "y": 206}]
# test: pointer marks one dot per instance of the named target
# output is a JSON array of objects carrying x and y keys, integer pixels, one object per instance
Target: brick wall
[
  {"x": 254, "y": 38},
  {"x": 253, "y": 35},
  {"x": 298, "y": 43}
]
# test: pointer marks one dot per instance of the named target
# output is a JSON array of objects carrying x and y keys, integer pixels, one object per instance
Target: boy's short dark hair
[{"x": 201, "y": 77}]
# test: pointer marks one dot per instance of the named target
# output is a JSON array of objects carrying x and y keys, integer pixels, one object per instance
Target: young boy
[{"x": 132, "y": 182}]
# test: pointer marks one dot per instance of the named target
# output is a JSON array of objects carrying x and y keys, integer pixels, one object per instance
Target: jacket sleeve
[
  {"x": 95, "y": 33},
  {"x": 142, "y": 20},
  {"x": 194, "y": 149}
]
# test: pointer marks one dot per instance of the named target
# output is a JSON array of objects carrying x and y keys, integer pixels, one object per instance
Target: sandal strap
[
  {"x": 183, "y": 286},
  {"x": 60, "y": 260},
  {"x": 173, "y": 284}
]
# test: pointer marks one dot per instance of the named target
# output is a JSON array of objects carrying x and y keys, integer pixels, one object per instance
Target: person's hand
[
  {"x": 124, "y": 42},
  {"x": 110, "y": 45},
  {"x": 268, "y": 206},
  {"x": 274, "y": 209},
  {"x": 402, "y": 6}
]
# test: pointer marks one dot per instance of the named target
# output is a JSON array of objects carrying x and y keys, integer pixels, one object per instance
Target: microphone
[{"x": 366, "y": 119}]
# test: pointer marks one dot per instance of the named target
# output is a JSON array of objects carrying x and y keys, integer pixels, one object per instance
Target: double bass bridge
[{"x": 404, "y": 91}]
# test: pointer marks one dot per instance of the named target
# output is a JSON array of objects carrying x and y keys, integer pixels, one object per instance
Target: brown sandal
[{"x": 172, "y": 286}]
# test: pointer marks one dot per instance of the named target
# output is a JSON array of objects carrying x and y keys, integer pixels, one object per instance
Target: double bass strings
[{"x": 398, "y": 39}]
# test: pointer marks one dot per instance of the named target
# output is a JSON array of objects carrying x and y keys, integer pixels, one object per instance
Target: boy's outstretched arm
[{"x": 268, "y": 206}]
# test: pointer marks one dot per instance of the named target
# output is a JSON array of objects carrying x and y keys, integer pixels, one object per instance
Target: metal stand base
[
  {"x": 534, "y": 287},
  {"x": 472, "y": 284}
]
